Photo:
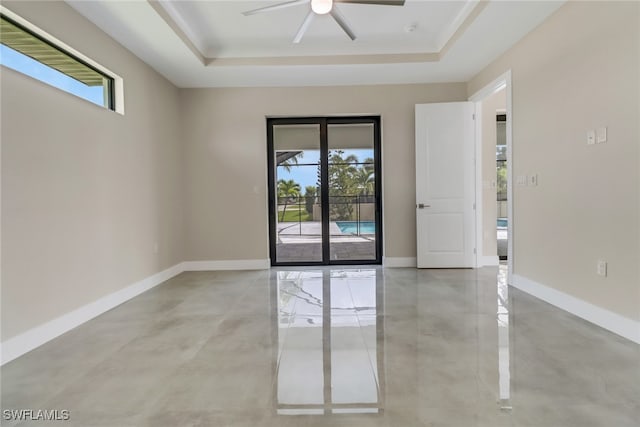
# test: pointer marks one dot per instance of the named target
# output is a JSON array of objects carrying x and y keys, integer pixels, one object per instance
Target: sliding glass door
[
  {"x": 296, "y": 211},
  {"x": 352, "y": 185},
  {"x": 324, "y": 190}
]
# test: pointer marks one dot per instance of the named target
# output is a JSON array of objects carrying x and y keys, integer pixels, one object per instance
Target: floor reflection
[
  {"x": 504, "y": 370},
  {"x": 330, "y": 338},
  {"x": 329, "y": 357},
  {"x": 319, "y": 347}
]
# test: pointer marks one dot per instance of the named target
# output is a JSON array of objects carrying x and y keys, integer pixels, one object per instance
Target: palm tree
[
  {"x": 286, "y": 159},
  {"x": 287, "y": 189},
  {"x": 342, "y": 186},
  {"x": 365, "y": 180}
]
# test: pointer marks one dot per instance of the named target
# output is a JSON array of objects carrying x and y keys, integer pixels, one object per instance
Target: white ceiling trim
[
  {"x": 456, "y": 24},
  {"x": 180, "y": 26},
  {"x": 466, "y": 23},
  {"x": 384, "y": 58},
  {"x": 180, "y": 23},
  {"x": 186, "y": 36}
]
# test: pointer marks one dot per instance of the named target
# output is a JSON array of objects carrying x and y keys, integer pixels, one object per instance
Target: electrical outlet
[
  {"x": 591, "y": 137},
  {"x": 533, "y": 179},
  {"x": 602, "y": 268}
]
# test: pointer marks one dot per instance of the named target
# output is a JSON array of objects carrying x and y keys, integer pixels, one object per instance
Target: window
[{"x": 35, "y": 55}]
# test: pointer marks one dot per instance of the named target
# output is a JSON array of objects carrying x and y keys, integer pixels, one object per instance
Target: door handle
[{"x": 422, "y": 206}]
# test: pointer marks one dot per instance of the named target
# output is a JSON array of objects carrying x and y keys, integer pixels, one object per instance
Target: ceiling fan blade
[
  {"x": 375, "y": 2},
  {"x": 304, "y": 27},
  {"x": 275, "y": 7},
  {"x": 343, "y": 24}
]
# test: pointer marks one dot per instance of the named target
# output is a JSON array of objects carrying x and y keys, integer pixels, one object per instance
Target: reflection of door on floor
[
  {"x": 327, "y": 332},
  {"x": 324, "y": 190}
]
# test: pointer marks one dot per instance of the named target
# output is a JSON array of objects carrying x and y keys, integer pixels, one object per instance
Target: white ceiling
[
  {"x": 212, "y": 44},
  {"x": 220, "y": 30}
]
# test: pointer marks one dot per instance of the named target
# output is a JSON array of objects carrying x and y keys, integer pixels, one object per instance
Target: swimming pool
[{"x": 351, "y": 227}]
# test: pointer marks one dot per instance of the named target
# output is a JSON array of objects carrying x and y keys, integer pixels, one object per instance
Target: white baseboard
[
  {"x": 396, "y": 262},
  {"x": 35, "y": 337},
  {"x": 239, "y": 264},
  {"x": 488, "y": 261},
  {"x": 627, "y": 328}
]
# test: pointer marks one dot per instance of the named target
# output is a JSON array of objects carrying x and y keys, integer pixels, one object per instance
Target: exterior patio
[{"x": 302, "y": 242}]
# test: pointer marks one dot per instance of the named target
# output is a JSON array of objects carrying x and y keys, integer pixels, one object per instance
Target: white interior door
[{"x": 445, "y": 185}]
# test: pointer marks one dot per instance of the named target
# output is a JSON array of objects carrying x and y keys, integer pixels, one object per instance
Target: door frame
[
  {"x": 324, "y": 122},
  {"x": 500, "y": 83}
]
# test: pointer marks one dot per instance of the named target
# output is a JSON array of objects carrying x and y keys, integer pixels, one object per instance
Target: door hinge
[
  {"x": 473, "y": 116},
  {"x": 474, "y": 251},
  {"x": 474, "y": 206}
]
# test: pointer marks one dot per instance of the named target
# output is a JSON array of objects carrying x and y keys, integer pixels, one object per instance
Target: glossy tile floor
[{"x": 332, "y": 347}]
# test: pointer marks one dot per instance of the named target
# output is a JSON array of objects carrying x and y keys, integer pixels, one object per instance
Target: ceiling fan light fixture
[{"x": 321, "y": 7}]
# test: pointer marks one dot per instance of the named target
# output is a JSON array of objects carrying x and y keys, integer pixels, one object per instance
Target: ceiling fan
[{"x": 323, "y": 7}]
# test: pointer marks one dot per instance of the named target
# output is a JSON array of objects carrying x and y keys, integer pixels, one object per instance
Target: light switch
[
  {"x": 591, "y": 137},
  {"x": 521, "y": 180},
  {"x": 601, "y": 135}
]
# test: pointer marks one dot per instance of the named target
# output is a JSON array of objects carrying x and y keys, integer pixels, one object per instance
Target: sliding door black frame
[{"x": 324, "y": 122}]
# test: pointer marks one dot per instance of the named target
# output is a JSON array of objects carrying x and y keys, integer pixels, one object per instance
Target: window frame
[{"x": 114, "y": 90}]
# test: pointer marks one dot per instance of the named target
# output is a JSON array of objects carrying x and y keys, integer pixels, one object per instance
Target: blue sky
[
  {"x": 308, "y": 175},
  {"x": 26, "y": 65}
]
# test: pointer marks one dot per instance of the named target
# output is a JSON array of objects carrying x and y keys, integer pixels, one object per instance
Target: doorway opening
[
  {"x": 324, "y": 190},
  {"x": 502, "y": 217},
  {"x": 493, "y": 195}
]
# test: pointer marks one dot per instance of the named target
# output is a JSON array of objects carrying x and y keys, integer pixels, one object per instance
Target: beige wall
[
  {"x": 226, "y": 159},
  {"x": 86, "y": 193},
  {"x": 579, "y": 70},
  {"x": 490, "y": 106}
]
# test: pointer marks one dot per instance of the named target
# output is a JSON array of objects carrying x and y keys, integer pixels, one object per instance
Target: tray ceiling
[{"x": 212, "y": 44}]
